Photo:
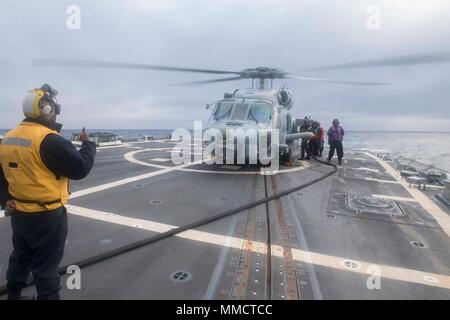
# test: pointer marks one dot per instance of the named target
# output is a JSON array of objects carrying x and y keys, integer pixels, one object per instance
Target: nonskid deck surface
[{"x": 328, "y": 241}]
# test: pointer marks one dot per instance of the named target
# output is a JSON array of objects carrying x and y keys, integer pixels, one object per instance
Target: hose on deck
[{"x": 141, "y": 243}]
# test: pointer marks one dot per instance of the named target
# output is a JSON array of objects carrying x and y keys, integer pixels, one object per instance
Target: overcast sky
[{"x": 229, "y": 35}]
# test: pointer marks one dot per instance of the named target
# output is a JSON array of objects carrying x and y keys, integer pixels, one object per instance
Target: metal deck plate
[
  {"x": 371, "y": 205},
  {"x": 366, "y": 172},
  {"x": 370, "y": 208}
]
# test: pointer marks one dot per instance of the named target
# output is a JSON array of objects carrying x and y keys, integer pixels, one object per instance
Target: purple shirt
[{"x": 336, "y": 133}]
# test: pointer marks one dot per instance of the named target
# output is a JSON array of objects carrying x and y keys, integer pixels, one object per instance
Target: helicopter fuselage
[{"x": 252, "y": 111}]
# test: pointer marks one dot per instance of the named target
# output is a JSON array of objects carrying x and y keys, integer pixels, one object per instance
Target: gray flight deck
[{"x": 359, "y": 234}]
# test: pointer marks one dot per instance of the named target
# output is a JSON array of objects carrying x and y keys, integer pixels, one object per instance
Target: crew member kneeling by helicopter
[{"x": 36, "y": 165}]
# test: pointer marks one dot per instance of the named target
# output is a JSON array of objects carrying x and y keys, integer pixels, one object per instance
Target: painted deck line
[
  {"x": 382, "y": 181},
  {"x": 383, "y": 196},
  {"x": 316, "y": 258},
  {"x": 160, "y": 159},
  {"x": 117, "y": 183},
  {"x": 363, "y": 169}
]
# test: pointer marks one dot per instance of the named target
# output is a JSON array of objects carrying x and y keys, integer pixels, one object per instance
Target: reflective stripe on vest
[
  {"x": 17, "y": 142},
  {"x": 31, "y": 184}
]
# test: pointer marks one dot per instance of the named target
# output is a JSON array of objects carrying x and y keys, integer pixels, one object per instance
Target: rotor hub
[{"x": 263, "y": 73}]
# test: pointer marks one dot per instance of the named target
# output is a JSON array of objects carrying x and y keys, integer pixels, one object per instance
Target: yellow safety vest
[{"x": 32, "y": 185}]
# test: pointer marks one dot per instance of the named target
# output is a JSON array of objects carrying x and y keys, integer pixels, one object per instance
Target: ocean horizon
[{"x": 427, "y": 147}]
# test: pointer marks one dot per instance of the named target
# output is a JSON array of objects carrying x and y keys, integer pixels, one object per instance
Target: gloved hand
[
  {"x": 84, "y": 136},
  {"x": 10, "y": 207}
]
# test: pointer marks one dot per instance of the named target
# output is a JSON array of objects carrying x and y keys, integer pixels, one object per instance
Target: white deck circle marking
[
  {"x": 130, "y": 156},
  {"x": 160, "y": 159}
]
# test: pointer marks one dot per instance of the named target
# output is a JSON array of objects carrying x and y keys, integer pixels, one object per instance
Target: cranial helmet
[{"x": 41, "y": 102}]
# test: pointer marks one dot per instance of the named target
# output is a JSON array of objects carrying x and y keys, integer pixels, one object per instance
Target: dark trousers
[
  {"x": 321, "y": 148},
  {"x": 38, "y": 247},
  {"x": 304, "y": 148},
  {"x": 315, "y": 147},
  {"x": 336, "y": 145}
]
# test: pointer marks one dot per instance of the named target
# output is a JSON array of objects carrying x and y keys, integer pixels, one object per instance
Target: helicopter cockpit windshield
[
  {"x": 256, "y": 111},
  {"x": 223, "y": 110},
  {"x": 240, "y": 110},
  {"x": 260, "y": 112}
]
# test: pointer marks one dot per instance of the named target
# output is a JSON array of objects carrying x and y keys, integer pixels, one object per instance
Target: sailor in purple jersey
[{"x": 335, "y": 137}]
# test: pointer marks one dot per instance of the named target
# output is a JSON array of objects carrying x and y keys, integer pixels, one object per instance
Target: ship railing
[{"x": 413, "y": 168}]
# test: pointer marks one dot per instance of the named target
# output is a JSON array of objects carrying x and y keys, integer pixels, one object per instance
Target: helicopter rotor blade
[
  {"x": 354, "y": 83},
  {"x": 193, "y": 83},
  {"x": 50, "y": 62},
  {"x": 430, "y": 58}
]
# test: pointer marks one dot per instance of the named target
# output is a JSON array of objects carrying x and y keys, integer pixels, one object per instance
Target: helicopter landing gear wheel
[{"x": 286, "y": 157}]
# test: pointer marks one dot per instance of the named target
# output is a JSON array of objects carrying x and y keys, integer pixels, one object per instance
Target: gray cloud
[{"x": 292, "y": 35}]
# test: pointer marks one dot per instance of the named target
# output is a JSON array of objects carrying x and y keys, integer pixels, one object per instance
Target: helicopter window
[
  {"x": 223, "y": 110},
  {"x": 240, "y": 111},
  {"x": 259, "y": 112}
]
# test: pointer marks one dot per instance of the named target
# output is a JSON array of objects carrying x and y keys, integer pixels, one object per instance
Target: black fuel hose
[{"x": 141, "y": 243}]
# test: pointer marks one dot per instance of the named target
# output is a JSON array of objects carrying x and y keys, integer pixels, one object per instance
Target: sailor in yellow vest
[{"x": 36, "y": 165}]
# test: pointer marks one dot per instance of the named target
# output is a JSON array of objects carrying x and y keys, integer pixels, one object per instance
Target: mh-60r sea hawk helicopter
[{"x": 259, "y": 107}]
